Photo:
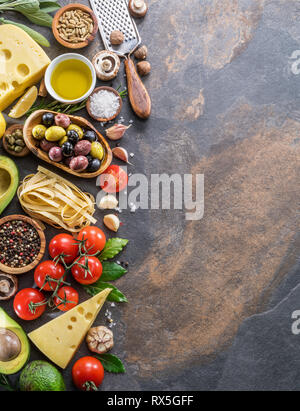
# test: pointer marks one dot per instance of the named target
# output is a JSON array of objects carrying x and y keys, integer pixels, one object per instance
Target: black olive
[
  {"x": 73, "y": 137},
  {"x": 48, "y": 119},
  {"x": 67, "y": 149},
  {"x": 90, "y": 158},
  {"x": 94, "y": 165},
  {"x": 90, "y": 135}
]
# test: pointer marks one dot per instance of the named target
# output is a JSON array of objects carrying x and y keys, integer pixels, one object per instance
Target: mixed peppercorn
[{"x": 19, "y": 244}]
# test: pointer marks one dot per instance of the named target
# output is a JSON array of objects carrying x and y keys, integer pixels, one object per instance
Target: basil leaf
[
  {"x": 111, "y": 363},
  {"x": 115, "y": 295},
  {"x": 39, "y": 38},
  {"x": 39, "y": 17},
  {"x": 112, "y": 248},
  {"x": 112, "y": 271}
]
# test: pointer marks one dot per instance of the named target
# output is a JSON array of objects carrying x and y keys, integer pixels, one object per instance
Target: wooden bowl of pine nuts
[{"x": 75, "y": 26}]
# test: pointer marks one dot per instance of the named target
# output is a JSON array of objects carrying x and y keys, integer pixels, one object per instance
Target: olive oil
[{"x": 71, "y": 79}]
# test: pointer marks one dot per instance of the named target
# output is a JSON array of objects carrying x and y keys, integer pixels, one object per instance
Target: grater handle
[{"x": 138, "y": 94}]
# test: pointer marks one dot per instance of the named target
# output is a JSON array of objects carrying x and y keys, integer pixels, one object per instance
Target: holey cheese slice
[
  {"x": 60, "y": 338},
  {"x": 22, "y": 63}
]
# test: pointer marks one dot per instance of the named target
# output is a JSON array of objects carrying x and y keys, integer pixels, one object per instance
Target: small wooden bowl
[
  {"x": 104, "y": 120},
  {"x": 22, "y": 270},
  {"x": 10, "y": 130},
  {"x": 70, "y": 7},
  {"x": 36, "y": 118}
]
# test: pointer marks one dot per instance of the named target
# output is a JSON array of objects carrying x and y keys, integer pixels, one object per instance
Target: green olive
[
  {"x": 63, "y": 140},
  {"x": 55, "y": 133},
  {"x": 38, "y": 132},
  {"x": 77, "y": 129},
  {"x": 97, "y": 150}
]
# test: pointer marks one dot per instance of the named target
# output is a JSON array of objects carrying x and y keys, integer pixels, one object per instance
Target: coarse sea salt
[{"x": 104, "y": 104}]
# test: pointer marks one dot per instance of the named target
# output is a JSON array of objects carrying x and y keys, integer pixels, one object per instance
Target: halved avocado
[
  {"x": 14, "y": 345},
  {"x": 9, "y": 181}
]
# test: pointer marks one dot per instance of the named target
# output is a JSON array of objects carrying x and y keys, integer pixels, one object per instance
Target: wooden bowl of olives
[
  {"x": 13, "y": 141},
  {"x": 68, "y": 142}
]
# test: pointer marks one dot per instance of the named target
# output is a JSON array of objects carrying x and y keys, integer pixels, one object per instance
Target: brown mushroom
[
  {"x": 144, "y": 68},
  {"x": 10, "y": 345},
  {"x": 116, "y": 37},
  {"x": 8, "y": 286},
  {"x": 100, "y": 339},
  {"x": 138, "y": 8},
  {"x": 107, "y": 65}
]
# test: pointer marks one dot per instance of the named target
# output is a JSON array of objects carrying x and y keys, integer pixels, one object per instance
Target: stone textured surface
[{"x": 225, "y": 103}]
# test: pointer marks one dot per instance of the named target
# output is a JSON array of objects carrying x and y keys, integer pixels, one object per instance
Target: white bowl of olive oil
[{"x": 70, "y": 78}]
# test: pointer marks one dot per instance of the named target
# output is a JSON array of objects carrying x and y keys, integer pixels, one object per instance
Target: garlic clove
[
  {"x": 109, "y": 202},
  {"x": 112, "y": 222},
  {"x": 121, "y": 154},
  {"x": 116, "y": 132}
]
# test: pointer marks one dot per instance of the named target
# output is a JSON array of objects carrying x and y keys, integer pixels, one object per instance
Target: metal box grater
[{"x": 114, "y": 15}]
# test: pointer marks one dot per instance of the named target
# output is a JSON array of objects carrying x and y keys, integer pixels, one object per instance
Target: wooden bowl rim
[
  {"x": 88, "y": 104},
  {"x": 73, "y": 6},
  {"x": 35, "y": 150},
  {"x": 9, "y": 130},
  {"x": 17, "y": 271}
]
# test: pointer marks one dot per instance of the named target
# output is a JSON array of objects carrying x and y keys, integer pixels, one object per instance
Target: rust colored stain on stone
[{"x": 197, "y": 294}]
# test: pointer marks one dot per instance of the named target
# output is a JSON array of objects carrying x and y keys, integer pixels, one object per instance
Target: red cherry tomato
[
  {"x": 90, "y": 274},
  {"x": 24, "y": 304},
  {"x": 88, "y": 374},
  {"x": 114, "y": 179},
  {"x": 66, "y": 299},
  {"x": 65, "y": 245},
  {"x": 95, "y": 239},
  {"x": 50, "y": 269}
]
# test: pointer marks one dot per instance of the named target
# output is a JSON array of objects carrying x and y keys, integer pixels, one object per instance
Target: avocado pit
[{"x": 10, "y": 345}]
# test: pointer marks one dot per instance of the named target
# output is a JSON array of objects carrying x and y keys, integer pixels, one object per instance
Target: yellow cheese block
[
  {"x": 60, "y": 338},
  {"x": 22, "y": 63}
]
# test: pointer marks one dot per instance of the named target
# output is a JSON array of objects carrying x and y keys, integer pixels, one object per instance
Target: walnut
[
  {"x": 141, "y": 53},
  {"x": 144, "y": 68},
  {"x": 100, "y": 339},
  {"x": 116, "y": 37}
]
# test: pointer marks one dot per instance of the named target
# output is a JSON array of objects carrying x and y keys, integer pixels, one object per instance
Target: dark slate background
[{"x": 210, "y": 302}]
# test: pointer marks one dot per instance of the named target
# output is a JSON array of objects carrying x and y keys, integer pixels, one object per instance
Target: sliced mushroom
[
  {"x": 10, "y": 345},
  {"x": 138, "y": 8},
  {"x": 107, "y": 65},
  {"x": 100, "y": 339},
  {"x": 8, "y": 286}
]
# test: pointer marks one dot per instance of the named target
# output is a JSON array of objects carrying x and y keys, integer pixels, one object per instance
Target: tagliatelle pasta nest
[{"x": 50, "y": 198}]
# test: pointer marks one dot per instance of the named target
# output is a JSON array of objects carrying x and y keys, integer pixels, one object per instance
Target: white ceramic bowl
[{"x": 54, "y": 63}]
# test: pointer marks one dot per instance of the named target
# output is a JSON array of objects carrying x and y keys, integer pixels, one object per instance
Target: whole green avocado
[{"x": 41, "y": 376}]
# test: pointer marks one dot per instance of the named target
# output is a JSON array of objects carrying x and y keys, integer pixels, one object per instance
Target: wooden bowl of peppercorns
[{"x": 22, "y": 244}]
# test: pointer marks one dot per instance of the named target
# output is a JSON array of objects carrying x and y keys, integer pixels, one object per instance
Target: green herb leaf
[
  {"x": 112, "y": 271},
  {"x": 111, "y": 363},
  {"x": 39, "y": 38},
  {"x": 115, "y": 295},
  {"x": 39, "y": 17},
  {"x": 29, "y": 7},
  {"x": 112, "y": 248},
  {"x": 49, "y": 6},
  {"x": 4, "y": 382}
]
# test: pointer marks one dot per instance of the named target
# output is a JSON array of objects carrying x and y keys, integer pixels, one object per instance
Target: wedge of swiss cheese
[
  {"x": 22, "y": 63},
  {"x": 60, "y": 338}
]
